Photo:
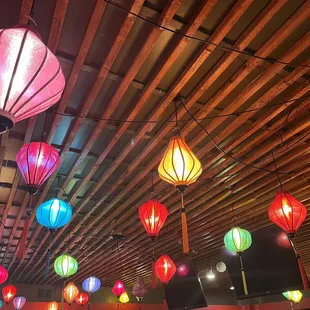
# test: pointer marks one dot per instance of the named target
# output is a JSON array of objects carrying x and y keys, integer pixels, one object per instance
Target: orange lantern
[
  {"x": 9, "y": 293},
  {"x": 70, "y": 292},
  {"x": 52, "y": 305}
]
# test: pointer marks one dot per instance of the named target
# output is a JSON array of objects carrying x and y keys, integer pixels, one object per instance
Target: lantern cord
[
  {"x": 153, "y": 266},
  {"x": 233, "y": 213},
  {"x": 276, "y": 168},
  {"x": 48, "y": 255},
  {"x": 176, "y": 117},
  {"x": 153, "y": 190},
  {"x": 221, "y": 46}
]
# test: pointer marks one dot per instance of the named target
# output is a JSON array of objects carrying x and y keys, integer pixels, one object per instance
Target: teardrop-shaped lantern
[
  {"x": 70, "y": 292},
  {"x": 54, "y": 213},
  {"x": 118, "y": 288},
  {"x": 165, "y": 269},
  {"x": 287, "y": 213},
  {"x": 53, "y": 306},
  {"x": 36, "y": 162},
  {"x": 65, "y": 266},
  {"x": 3, "y": 274},
  {"x": 8, "y": 293},
  {"x": 124, "y": 298},
  {"x": 238, "y": 240},
  {"x": 295, "y": 296},
  {"x": 81, "y": 299},
  {"x": 19, "y": 302},
  {"x": 153, "y": 215},
  {"x": 139, "y": 290},
  {"x": 91, "y": 284},
  {"x": 31, "y": 77}
]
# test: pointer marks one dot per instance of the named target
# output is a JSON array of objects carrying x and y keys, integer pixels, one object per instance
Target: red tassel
[
  {"x": 165, "y": 306},
  {"x": 23, "y": 241},
  {"x": 153, "y": 276},
  {"x": 302, "y": 273}
]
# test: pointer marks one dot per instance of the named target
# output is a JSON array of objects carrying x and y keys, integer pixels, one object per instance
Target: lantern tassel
[
  {"x": 245, "y": 287},
  {"x": 23, "y": 241},
  {"x": 302, "y": 273},
  {"x": 48, "y": 256},
  {"x": 184, "y": 227},
  {"x": 88, "y": 305}
]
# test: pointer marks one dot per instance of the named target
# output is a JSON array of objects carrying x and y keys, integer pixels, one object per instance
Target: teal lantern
[
  {"x": 65, "y": 266},
  {"x": 238, "y": 240}
]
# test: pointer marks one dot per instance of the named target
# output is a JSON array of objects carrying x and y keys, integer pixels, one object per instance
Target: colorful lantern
[
  {"x": 289, "y": 214},
  {"x": 65, "y": 266},
  {"x": 238, "y": 240},
  {"x": 70, "y": 292},
  {"x": 36, "y": 162},
  {"x": 8, "y": 293},
  {"x": 91, "y": 285},
  {"x": 183, "y": 270},
  {"x": 52, "y": 305},
  {"x": 139, "y": 290},
  {"x": 180, "y": 167},
  {"x": 32, "y": 80},
  {"x": 3, "y": 274},
  {"x": 220, "y": 267},
  {"x": 287, "y": 296},
  {"x": 54, "y": 214},
  {"x": 295, "y": 296},
  {"x": 118, "y": 288},
  {"x": 19, "y": 302},
  {"x": 165, "y": 269},
  {"x": 81, "y": 299},
  {"x": 1, "y": 304},
  {"x": 124, "y": 298}
]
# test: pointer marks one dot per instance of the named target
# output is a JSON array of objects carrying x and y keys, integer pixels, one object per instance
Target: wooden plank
[{"x": 25, "y": 11}]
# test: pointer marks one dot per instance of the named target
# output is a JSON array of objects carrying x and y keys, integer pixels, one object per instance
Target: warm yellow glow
[
  {"x": 295, "y": 296},
  {"x": 53, "y": 305},
  {"x": 70, "y": 292},
  {"x": 9, "y": 295},
  {"x": 286, "y": 208},
  {"x": 124, "y": 298},
  {"x": 179, "y": 166},
  {"x": 166, "y": 267},
  {"x": 236, "y": 237}
]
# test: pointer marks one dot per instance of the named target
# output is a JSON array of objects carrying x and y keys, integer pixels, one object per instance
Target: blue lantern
[
  {"x": 91, "y": 284},
  {"x": 0, "y": 303},
  {"x": 54, "y": 213}
]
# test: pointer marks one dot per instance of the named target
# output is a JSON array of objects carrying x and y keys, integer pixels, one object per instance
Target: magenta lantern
[
  {"x": 3, "y": 274},
  {"x": 118, "y": 288},
  {"x": 36, "y": 162},
  {"x": 31, "y": 79}
]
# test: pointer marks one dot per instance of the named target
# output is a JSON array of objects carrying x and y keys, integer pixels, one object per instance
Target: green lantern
[
  {"x": 238, "y": 240},
  {"x": 65, "y": 266},
  {"x": 286, "y": 295}
]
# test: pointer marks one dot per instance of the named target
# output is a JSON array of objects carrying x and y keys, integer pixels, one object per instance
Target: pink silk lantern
[
  {"x": 31, "y": 79},
  {"x": 118, "y": 288},
  {"x": 139, "y": 290}
]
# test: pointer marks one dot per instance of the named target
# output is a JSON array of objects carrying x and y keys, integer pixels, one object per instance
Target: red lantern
[
  {"x": 9, "y": 293},
  {"x": 153, "y": 215},
  {"x": 31, "y": 77},
  {"x": 36, "y": 162},
  {"x": 288, "y": 213},
  {"x": 81, "y": 299},
  {"x": 3, "y": 274},
  {"x": 118, "y": 288},
  {"x": 165, "y": 268}
]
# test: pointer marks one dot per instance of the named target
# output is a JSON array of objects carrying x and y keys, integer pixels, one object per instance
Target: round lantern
[
  {"x": 54, "y": 214},
  {"x": 153, "y": 215},
  {"x": 139, "y": 290},
  {"x": 3, "y": 274},
  {"x": 118, "y": 288},
  {"x": 70, "y": 292},
  {"x": 91, "y": 285},
  {"x": 81, "y": 299},
  {"x": 36, "y": 162},
  {"x": 65, "y": 266},
  {"x": 52, "y": 305},
  {"x": 165, "y": 269},
  {"x": 19, "y": 302},
  {"x": 288, "y": 213},
  {"x": 124, "y": 298},
  {"x": 295, "y": 296},
  {"x": 220, "y": 267},
  {"x": 31, "y": 77},
  {"x": 9, "y": 293}
]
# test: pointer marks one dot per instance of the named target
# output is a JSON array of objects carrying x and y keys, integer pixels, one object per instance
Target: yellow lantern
[
  {"x": 53, "y": 305},
  {"x": 180, "y": 167},
  {"x": 124, "y": 298},
  {"x": 295, "y": 296},
  {"x": 70, "y": 292}
]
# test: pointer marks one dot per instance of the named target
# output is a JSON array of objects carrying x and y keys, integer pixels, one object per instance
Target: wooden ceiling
[{"x": 121, "y": 69}]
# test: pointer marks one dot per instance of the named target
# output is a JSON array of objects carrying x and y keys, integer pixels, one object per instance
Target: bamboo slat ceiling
[{"x": 120, "y": 68}]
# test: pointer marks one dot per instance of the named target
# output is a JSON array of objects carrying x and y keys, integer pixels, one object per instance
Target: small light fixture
[
  {"x": 232, "y": 288},
  {"x": 210, "y": 274}
]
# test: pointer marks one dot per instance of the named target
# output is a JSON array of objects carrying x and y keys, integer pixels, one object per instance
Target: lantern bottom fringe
[
  {"x": 153, "y": 275},
  {"x": 245, "y": 287},
  {"x": 23, "y": 241},
  {"x": 165, "y": 306},
  {"x": 184, "y": 232},
  {"x": 302, "y": 273}
]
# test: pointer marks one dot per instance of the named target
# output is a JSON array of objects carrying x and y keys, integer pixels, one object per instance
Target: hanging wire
[
  {"x": 233, "y": 214},
  {"x": 221, "y": 46},
  {"x": 277, "y": 172}
]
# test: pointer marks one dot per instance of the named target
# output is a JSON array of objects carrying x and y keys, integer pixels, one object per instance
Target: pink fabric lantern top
[
  {"x": 31, "y": 79},
  {"x": 36, "y": 162}
]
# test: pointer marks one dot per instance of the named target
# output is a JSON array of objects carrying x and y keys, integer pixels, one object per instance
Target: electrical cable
[{"x": 226, "y": 48}]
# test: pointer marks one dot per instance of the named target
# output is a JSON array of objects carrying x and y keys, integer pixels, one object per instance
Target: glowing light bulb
[{"x": 210, "y": 274}]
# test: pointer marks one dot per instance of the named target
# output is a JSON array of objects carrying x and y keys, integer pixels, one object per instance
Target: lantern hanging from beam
[
  {"x": 165, "y": 269},
  {"x": 53, "y": 305},
  {"x": 91, "y": 284},
  {"x": 3, "y": 274},
  {"x": 31, "y": 77},
  {"x": 124, "y": 298},
  {"x": 288, "y": 213},
  {"x": 118, "y": 288},
  {"x": 70, "y": 292},
  {"x": 238, "y": 240},
  {"x": 295, "y": 296},
  {"x": 19, "y": 302},
  {"x": 81, "y": 299},
  {"x": 180, "y": 167},
  {"x": 139, "y": 290},
  {"x": 65, "y": 266},
  {"x": 8, "y": 293}
]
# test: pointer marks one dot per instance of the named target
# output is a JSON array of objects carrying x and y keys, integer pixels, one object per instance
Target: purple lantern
[
  {"x": 139, "y": 290},
  {"x": 19, "y": 302}
]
